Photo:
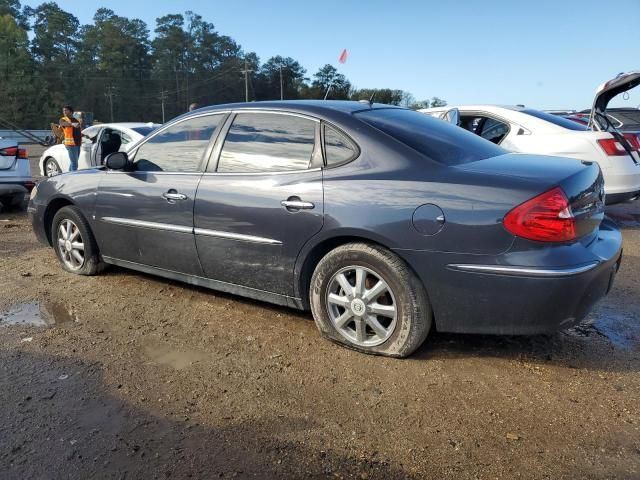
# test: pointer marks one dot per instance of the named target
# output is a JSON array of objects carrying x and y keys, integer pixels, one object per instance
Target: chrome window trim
[
  {"x": 524, "y": 271},
  {"x": 282, "y": 172},
  {"x": 129, "y": 222},
  {"x": 236, "y": 236},
  {"x": 277, "y": 112},
  {"x": 150, "y": 172}
]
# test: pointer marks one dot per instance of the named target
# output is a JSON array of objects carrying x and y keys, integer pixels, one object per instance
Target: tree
[
  {"x": 382, "y": 95},
  {"x": 14, "y": 9},
  {"x": 438, "y": 102},
  {"x": 19, "y": 94},
  {"x": 114, "y": 63},
  {"x": 325, "y": 78},
  {"x": 292, "y": 78}
]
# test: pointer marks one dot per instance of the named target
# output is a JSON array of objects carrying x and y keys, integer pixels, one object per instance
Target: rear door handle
[
  {"x": 297, "y": 204},
  {"x": 172, "y": 195}
]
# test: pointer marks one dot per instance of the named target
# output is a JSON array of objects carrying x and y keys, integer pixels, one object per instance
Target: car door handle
[
  {"x": 298, "y": 204},
  {"x": 173, "y": 195}
]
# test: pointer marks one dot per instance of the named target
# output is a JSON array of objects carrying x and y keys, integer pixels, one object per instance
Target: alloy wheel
[
  {"x": 361, "y": 306},
  {"x": 51, "y": 168},
  {"x": 70, "y": 245}
]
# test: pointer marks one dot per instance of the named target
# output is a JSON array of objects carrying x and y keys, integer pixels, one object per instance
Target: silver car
[{"x": 15, "y": 173}]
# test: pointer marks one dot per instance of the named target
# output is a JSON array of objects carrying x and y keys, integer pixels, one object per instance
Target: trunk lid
[
  {"x": 607, "y": 91},
  {"x": 581, "y": 182}
]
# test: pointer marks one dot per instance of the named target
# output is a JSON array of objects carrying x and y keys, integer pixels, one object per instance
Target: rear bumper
[
  {"x": 613, "y": 198},
  {"x": 621, "y": 182},
  {"x": 15, "y": 186},
  {"x": 476, "y": 296}
]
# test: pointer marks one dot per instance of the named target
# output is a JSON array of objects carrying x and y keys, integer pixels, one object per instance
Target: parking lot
[{"x": 132, "y": 376}]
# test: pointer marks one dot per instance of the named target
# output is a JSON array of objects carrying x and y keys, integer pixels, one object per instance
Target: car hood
[{"x": 610, "y": 89}]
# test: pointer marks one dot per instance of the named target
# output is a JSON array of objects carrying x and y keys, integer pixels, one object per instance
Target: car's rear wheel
[
  {"x": 367, "y": 298},
  {"x": 74, "y": 243},
  {"x": 51, "y": 167}
]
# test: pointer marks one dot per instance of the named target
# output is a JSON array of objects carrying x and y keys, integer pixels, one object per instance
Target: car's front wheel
[
  {"x": 51, "y": 167},
  {"x": 367, "y": 298},
  {"x": 74, "y": 243}
]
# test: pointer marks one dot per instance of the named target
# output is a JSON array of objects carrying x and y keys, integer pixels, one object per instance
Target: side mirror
[
  {"x": 117, "y": 161},
  {"x": 452, "y": 116}
]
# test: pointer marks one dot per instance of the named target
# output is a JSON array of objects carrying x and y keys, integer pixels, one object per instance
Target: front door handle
[
  {"x": 294, "y": 203},
  {"x": 172, "y": 196}
]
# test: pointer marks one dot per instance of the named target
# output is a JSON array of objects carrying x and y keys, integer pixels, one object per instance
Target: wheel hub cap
[{"x": 358, "y": 307}]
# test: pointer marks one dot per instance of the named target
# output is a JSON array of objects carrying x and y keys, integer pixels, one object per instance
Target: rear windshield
[
  {"x": 626, "y": 117},
  {"x": 436, "y": 139},
  {"x": 556, "y": 120},
  {"x": 144, "y": 130}
]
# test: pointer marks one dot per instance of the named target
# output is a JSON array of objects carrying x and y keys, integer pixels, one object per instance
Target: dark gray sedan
[{"x": 383, "y": 221}]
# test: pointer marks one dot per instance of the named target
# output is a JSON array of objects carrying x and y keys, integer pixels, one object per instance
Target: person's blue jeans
[{"x": 74, "y": 154}]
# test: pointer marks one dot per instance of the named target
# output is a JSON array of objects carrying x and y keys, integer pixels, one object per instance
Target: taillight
[
  {"x": 14, "y": 152},
  {"x": 633, "y": 140},
  {"x": 545, "y": 218},
  {"x": 612, "y": 147}
]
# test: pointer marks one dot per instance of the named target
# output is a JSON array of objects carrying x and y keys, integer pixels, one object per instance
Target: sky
[{"x": 543, "y": 54}]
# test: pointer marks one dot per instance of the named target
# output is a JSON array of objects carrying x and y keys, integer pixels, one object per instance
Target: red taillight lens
[
  {"x": 545, "y": 218},
  {"x": 633, "y": 140},
  {"x": 612, "y": 147},
  {"x": 14, "y": 152}
]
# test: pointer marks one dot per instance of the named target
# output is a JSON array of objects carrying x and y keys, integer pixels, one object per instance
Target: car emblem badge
[{"x": 357, "y": 306}]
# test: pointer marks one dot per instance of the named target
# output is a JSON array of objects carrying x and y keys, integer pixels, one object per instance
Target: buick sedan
[{"x": 385, "y": 223}]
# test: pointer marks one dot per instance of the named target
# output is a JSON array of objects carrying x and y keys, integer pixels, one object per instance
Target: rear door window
[
  {"x": 268, "y": 142},
  {"x": 494, "y": 130}
]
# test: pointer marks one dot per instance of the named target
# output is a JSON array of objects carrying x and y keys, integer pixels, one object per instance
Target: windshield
[
  {"x": 435, "y": 139},
  {"x": 143, "y": 130},
  {"x": 556, "y": 120}
]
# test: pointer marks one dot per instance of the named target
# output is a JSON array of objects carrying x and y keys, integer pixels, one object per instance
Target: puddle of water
[
  {"x": 622, "y": 331},
  {"x": 36, "y": 314},
  {"x": 177, "y": 359}
]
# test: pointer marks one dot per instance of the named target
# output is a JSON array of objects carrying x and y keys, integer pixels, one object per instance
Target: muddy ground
[{"x": 131, "y": 376}]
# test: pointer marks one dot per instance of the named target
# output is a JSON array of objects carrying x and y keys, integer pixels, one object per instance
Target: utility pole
[
  {"x": 163, "y": 97},
  {"x": 246, "y": 72},
  {"x": 110, "y": 93},
  {"x": 281, "y": 89}
]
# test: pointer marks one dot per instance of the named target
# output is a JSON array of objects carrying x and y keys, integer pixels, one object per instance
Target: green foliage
[
  {"x": 379, "y": 95},
  {"x": 113, "y": 64}
]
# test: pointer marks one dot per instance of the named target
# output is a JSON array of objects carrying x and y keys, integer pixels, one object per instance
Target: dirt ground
[{"x": 130, "y": 377}]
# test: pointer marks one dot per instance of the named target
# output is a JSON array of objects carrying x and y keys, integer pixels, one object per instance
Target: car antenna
[{"x": 371, "y": 98}]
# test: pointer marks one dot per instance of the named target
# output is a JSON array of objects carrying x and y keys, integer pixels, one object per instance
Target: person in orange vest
[{"x": 72, "y": 136}]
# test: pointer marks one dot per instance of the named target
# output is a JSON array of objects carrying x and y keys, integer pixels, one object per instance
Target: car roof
[{"x": 310, "y": 106}]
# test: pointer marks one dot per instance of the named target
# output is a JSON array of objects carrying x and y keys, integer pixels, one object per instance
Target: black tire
[
  {"x": 92, "y": 263},
  {"x": 413, "y": 310},
  {"x": 51, "y": 161}
]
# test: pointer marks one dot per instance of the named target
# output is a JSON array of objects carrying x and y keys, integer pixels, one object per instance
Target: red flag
[{"x": 343, "y": 56}]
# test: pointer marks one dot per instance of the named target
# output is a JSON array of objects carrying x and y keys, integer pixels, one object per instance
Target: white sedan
[
  {"x": 527, "y": 130},
  {"x": 98, "y": 141}
]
